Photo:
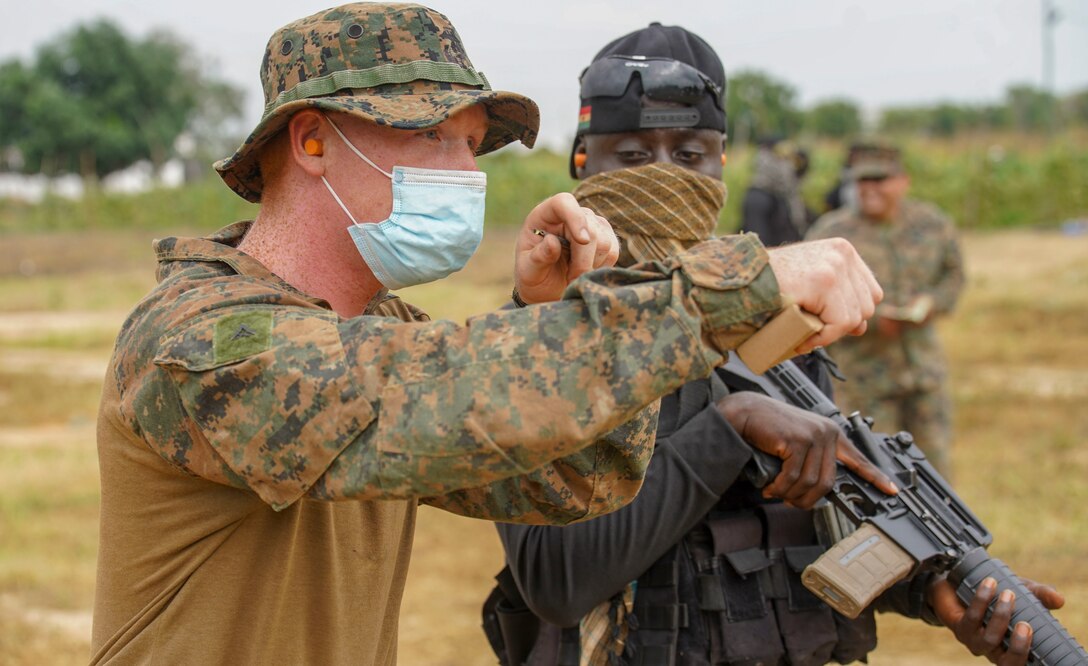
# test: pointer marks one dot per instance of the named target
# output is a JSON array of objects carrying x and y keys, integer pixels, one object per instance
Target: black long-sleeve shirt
[{"x": 563, "y": 572}]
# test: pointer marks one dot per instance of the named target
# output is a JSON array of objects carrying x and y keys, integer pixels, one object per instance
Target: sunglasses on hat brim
[{"x": 663, "y": 79}]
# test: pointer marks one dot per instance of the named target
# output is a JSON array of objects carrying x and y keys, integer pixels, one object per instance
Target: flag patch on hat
[{"x": 583, "y": 118}]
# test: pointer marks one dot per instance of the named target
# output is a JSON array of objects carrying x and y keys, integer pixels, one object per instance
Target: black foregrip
[{"x": 1051, "y": 644}]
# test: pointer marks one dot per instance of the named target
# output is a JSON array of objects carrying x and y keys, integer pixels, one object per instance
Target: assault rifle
[{"x": 926, "y": 527}]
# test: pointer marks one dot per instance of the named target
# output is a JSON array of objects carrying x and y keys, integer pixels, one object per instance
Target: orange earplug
[
  {"x": 313, "y": 147},
  {"x": 723, "y": 159},
  {"x": 579, "y": 160}
]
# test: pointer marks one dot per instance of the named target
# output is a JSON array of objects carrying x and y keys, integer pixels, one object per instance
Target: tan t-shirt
[{"x": 196, "y": 572}]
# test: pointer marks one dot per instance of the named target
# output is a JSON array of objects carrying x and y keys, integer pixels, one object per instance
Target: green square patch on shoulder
[{"x": 242, "y": 335}]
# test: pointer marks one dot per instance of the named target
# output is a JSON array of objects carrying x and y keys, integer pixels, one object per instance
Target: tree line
[
  {"x": 762, "y": 106},
  {"x": 94, "y": 100}
]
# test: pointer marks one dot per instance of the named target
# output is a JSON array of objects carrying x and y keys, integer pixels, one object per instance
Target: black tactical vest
[{"x": 729, "y": 592}]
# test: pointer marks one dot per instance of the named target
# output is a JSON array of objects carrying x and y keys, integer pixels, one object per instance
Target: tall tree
[
  {"x": 836, "y": 118},
  {"x": 16, "y": 83},
  {"x": 97, "y": 101},
  {"x": 761, "y": 106}
]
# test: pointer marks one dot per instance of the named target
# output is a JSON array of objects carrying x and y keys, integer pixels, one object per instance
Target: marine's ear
[{"x": 305, "y": 132}]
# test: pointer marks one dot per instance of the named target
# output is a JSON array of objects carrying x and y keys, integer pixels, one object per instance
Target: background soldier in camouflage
[
  {"x": 896, "y": 372},
  {"x": 272, "y": 416}
]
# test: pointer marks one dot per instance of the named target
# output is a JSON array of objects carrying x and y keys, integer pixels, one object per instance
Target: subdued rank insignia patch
[{"x": 241, "y": 335}]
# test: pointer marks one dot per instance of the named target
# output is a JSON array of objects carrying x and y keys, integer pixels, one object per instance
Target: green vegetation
[
  {"x": 983, "y": 181},
  {"x": 517, "y": 181},
  {"x": 1025, "y": 109},
  {"x": 761, "y": 105},
  {"x": 835, "y": 118},
  {"x": 990, "y": 182},
  {"x": 205, "y": 205},
  {"x": 94, "y": 101}
]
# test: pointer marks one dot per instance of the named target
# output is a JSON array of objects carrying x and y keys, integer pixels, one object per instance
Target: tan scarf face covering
[{"x": 657, "y": 210}]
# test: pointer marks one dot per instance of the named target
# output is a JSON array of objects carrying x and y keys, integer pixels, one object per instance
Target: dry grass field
[{"x": 1018, "y": 348}]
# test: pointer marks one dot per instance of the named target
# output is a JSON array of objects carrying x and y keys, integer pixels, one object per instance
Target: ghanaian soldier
[
  {"x": 897, "y": 370},
  {"x": 272, "y": 416},
  {"x": 701, "y": 568}
]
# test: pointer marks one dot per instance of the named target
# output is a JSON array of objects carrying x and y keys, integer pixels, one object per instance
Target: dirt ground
[{"x": 1017, "y": 348}]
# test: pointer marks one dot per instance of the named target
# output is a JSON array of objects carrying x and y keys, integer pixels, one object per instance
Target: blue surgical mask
[{"x": 435, "y": 227}]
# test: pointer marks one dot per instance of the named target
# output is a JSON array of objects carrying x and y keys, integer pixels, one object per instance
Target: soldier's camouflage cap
[
  {"x": 400, "y": 65},
  {"x": 874, "y": 160}
]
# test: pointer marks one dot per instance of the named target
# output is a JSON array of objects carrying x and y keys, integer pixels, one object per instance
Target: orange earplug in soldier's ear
[
  {"x": 723, "y": 159},
  {"x": 579, "y": 160},
  {"x": 313, "y": 147}
]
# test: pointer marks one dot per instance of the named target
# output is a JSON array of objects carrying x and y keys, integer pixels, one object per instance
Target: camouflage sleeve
[
  {"x": 594, "y": 481},
  {"x": 288, "y": 400},
  {"x": 461, "y": 407},
  {"x": 949, "y": 281}
]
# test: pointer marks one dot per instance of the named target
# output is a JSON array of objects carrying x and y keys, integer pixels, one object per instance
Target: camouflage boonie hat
[
  {"x": 875, "y": 161},
  {"x": 401, "y": 65}
]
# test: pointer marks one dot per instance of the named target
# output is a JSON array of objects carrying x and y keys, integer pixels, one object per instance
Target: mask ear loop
[
  {"x": 334, "y": 196},
  {"x": 361, "y": 155},
  {"x": 356, "y": 150}
]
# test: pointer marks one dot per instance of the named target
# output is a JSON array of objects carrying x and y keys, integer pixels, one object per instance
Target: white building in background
[{"x": 139, "y": 177}]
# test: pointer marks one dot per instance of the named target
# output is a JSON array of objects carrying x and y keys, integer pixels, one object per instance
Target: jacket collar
[{"x": 222, "y": 247}]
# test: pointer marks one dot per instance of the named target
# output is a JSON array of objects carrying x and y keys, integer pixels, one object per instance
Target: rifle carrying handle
[
  {"x": 856, "y": 570},
  {"x": 1051, "y": 644}
]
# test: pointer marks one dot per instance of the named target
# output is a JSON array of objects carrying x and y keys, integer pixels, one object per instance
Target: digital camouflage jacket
[{"x": 913, "y": 255}]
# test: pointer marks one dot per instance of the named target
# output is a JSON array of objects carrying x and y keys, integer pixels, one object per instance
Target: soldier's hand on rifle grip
[{"x": 807, "y": 444}]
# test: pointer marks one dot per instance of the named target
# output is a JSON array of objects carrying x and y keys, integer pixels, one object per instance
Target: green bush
[
  {"x": 517, "y": 181},
  {"x": 994, "y": 186}
]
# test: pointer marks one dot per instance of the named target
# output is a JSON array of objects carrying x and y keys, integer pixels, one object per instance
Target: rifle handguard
[
  {"x": 856, "y": 570},
  {"x": 1051, "y": 643}
]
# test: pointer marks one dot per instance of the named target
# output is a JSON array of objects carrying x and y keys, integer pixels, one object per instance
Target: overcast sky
[{"x": 876, "y": 52}]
